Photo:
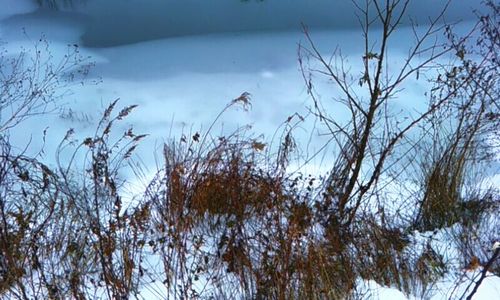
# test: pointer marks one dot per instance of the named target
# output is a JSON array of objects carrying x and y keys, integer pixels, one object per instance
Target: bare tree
[
  {"x": 225, "y": 217},
  {"x": 376, "y": 145}
]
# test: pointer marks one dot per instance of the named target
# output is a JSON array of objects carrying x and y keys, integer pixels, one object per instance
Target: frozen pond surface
[
  {"x": 183, "y": 71},
  {"x": 182, "y": 81},
  {"x": 185, "y": 80}
]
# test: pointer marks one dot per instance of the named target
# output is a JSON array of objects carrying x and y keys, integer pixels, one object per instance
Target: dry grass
[{"x": 224, "y": 218}]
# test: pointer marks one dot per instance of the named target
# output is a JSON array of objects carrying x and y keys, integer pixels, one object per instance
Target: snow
[
  {"x": 455, "y": 287},
  {"x": 11, "y": 8},
  {"x": 371, "y": 290},
  {"x": 449, "y": 288},
  {"x": 182, "y": 83}
]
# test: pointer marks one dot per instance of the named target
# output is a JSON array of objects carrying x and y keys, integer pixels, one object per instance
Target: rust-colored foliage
[
  {"x": 228, "y": 217},
  {"x": 232, "y": 187}
]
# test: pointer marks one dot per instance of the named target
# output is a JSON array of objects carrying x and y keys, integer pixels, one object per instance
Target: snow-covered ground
[{"x": 182, "y": 83}]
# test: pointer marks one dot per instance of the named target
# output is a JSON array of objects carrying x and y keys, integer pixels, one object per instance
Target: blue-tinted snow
[{"x": 181, "y": 82}]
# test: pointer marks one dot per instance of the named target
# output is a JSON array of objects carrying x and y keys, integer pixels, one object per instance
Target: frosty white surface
[{"x": 183, "y": 61}]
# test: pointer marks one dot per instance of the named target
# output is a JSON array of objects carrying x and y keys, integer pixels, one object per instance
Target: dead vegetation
[{"x": 225, "y": 218}]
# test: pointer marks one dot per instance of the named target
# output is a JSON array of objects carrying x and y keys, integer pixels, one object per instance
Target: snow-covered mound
[{"x": 182, "y": 83}]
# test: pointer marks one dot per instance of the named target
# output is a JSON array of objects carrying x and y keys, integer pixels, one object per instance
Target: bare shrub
[{"x": 226, "y": 218}]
